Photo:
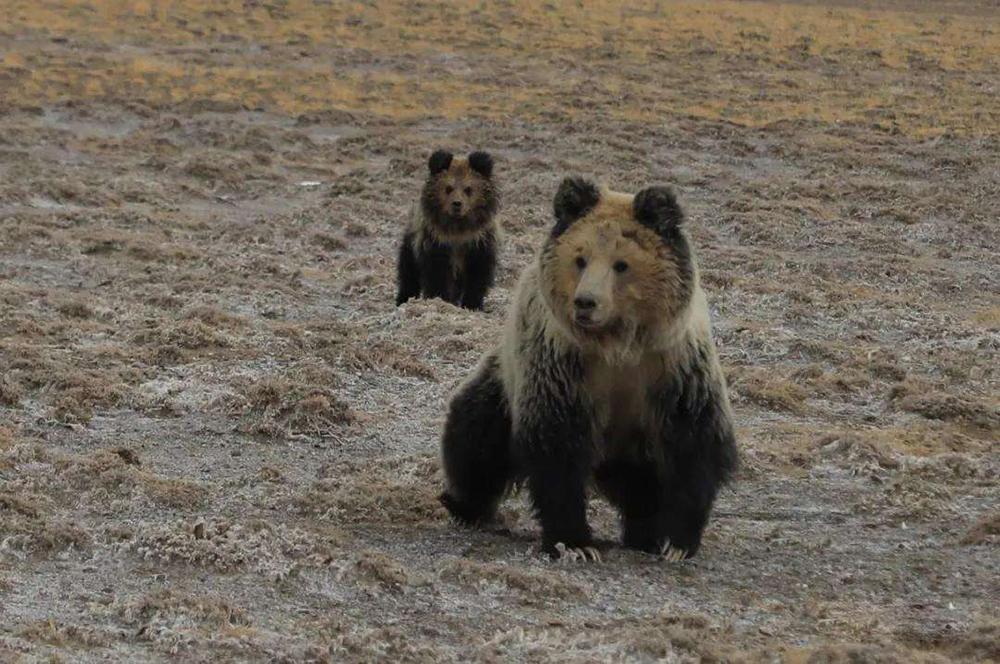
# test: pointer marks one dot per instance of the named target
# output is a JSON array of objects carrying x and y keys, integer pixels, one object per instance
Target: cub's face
[
  {"x": 616, "y": 264},
  {"x": 459, "y": 194}
]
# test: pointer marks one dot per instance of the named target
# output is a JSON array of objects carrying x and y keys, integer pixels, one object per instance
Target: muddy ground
[{"x": 218, "y": 435}]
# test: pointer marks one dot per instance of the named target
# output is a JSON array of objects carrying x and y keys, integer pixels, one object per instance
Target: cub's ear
[
  {"x": 439, "y": 161},
  {"x": 657, "y": 209},
  {"x": 576, "y": 196},
  {"x": 482, "y": 163}
]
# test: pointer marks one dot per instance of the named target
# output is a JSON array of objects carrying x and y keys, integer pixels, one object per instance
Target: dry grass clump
[
  {"x": 283, "y": 407},
  {"x": 914, "y": 497},
  {"x": 6, "y": 437},
  {"x": 75, "y": 309},
  {"x": 766, "y": 387},
  {"x": 138, "y": 246},
  {"x": 212, "y": 316},
  {"x": 76, "y": 394},
  {"x": 171, "y": 492},
  {"x": 328, "y": 241},
  {"x": 11, "y": 392},
  {"x": 981, "y": 643},
  {"x": 933, "y": 404},
  {"x": 177, "y": 622},
  {"x": 830, "y": 383},
  {"x": 273, "y": 550},
  {"x": 353, "y": 643},
  {"x": 219, "y": 167},
  {"x": 118, "y": 472},
  {"x": 24, "y": 526},
  {"x": 387, "y": 356},
  {"x": 76, "y": 192},
  {"x": 382, "y": 569},
  {"x": 857, "y": 453},
  {"x": 187, "y": 334},
  {"x": 853, "y": 653},
  {"x": 58, "y": 633},
  {"x": 534, "y": 587},
  {"x": 399, "y": 491},
  {"x": 984, "y": 531},
  {"x": 650, "y": 638}
]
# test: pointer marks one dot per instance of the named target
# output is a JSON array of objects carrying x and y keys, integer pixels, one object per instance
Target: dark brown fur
[
  {"x": 449, "y": 249},
  {"x": 459, "y": 201}
]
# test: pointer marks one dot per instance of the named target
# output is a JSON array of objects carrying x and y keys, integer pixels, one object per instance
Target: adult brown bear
[{"x": 607, "y": 375}]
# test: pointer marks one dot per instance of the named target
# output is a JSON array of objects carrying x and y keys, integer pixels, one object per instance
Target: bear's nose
[
  {"x": 456, "y": 206},
  {"x": 584, "y": 302}
]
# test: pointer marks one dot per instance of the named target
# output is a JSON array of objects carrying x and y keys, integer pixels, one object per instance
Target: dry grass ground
[{"x": 218, "y": 436}]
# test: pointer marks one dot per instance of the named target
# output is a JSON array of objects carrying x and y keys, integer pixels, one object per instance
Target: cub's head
[
  {"x": 459, "y": 196},
  {"x": 616, "y": 267}
]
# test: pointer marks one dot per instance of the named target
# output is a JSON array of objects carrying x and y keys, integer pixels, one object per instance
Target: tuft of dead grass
[
  {"x": 179, "y": 494},
  {"x": 382, "y": 569},
  {"x": 534, "y": 587},
  {"x": 75, "y": 309},
  {"x": 666, "y": 637},
  {"x": 76, "y": 394},
  {"x": 282, "y": 407},
  {"x": 188, "y": 334},
  {"x": 767, "y": 388},
  {"x": 11, "y": 392},
  {"x": 398, "y": 491},
  {"x": 58, "y": 633},
  {"x": 117, "y": 471},
  {"x": 984, "y": 531},
  {"x": 387, "y": 356},
  {"x": 212, "y": 316},
  {"x": 328, "y": 242},
  {"x": 919, "y": 398},
  {"x": 273, "y": 550},
  {"x": 25, "y": 526},
  {"x": 176, "y": 622}
]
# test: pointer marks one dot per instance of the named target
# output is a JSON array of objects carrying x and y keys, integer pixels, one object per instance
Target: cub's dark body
[{"x": 449, "y": 249}]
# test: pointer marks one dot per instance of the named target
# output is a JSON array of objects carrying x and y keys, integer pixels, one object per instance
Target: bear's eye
[
  {"x": 581, "y": 262},
  {"x": 449, "y": 189},
  {"x": 468, "y": 191},
  {"x": 620, "y": 266}
]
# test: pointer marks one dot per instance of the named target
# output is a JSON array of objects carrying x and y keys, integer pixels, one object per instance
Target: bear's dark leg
[
  {"x": 688, "y": 495},
  {"x": 476, "y": 448},
  {"x": 436, "y": 273},
  {"x": 553, "y": 444},
  {"x": 480, "y": 267},
  {"x": 699, "y": 457},
  {"x": 557, "y": 481},
  {"x": 407, "y": 272}
]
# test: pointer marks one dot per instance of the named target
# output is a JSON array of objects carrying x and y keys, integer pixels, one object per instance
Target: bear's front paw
[
  {"x": 672, "y": 554},
  {"x": 587, "y": 553},
  {"x": 463, "y": 513}
]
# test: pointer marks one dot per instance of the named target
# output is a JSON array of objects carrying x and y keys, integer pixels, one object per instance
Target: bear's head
[
  {"x": 459, "y": 196},
  {"x": 616, "y": 267}
]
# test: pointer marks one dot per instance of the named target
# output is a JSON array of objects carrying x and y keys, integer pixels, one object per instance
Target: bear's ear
[
  {"x": 657, "y": 209},
  {"x": 439, "y": 161},
  {"x": 482, "y": 163},
  {"x": 576, "y": 197}
]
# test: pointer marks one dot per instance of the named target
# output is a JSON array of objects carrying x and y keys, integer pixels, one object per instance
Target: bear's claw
[
  {"x": 671, "y": 554},
  {"x": 574, "y": 554}
]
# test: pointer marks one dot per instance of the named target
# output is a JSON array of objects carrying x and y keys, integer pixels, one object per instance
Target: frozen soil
[{"x": 218, "y": 436}]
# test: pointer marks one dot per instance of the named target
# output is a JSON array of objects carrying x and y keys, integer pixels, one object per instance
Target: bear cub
[
  {"x": 606, "y": 379},
  {"x": 449, "y": 249}
]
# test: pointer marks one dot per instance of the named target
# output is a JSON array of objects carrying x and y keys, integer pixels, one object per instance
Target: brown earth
[{"x": 218, "y": 435}]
